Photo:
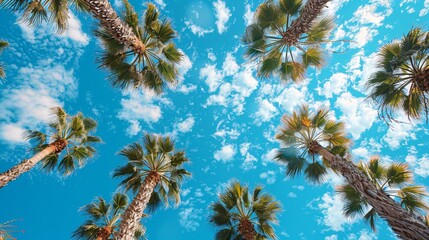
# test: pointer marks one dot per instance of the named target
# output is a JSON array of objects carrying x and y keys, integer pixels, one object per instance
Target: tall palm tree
[
  {"x": 395, "y": 180},
  {"x": 245, "y": 215},
  {"x": 286, "y": 38},
  {"x": 303, "y": 127},
  {"x": 136, "y": 54},
  {"x": 402, "y": 83},
  {"x": 3, "y": 45},
  {"x": 69, "y": 133},
  {"x": 297, "y": 145},
  {"x": 154, "y": 172},
  {"x": 105, "y": 217}
]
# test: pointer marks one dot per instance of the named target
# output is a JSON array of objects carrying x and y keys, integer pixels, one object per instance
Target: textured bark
[
  {"x": 422, "y": 79},
  {"x": 13, "y": 173},
  {"x": 302, "y": 24},
  {"x": 246, "y": 229},
  {"x": 133, "y": 214},
  {"x": 403, "y": 223},
  {"x": 103, "y": 11}
]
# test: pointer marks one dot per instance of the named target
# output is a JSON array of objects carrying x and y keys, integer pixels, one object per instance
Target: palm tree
[
  {"x": 137, "y": 55},
  {"x": 395, "y": 180},
  {"x": 244, "y": 215},
  {"x": 285, "y": 44},
  {"x": 3, "y": 45},
  {"x": 303, "y": 132},
  {"x": 402, "y": 83},
  {"x": 302, "y": 128},
  {"x": 104, "y": 219},
  {"x": 154, "y": 171},
  {"x": 70, "y": 133}
]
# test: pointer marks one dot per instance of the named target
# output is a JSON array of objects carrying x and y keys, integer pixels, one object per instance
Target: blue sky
[{"x": 221, "y": 113}]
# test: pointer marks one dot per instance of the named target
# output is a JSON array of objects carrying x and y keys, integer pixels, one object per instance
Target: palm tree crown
[
  {"x": 72, "y": 132},
  {"x": 403, "y": 79},
  {"x": 278, "y": 53},
  {"x": 104, "y": 219},
  {"x": 239, "y": 211},
  {"x": 3, "y": 45},
  {"x": 152, "y": 65},
  {"x": 300, "y": 130},
  {"x": 395, "y": 180},
  {"x": 157, "y": 156}
]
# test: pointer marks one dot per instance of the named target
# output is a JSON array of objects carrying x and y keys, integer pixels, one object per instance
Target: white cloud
[
  {"x": 362, "y": 28},
  {"x": 265, "y": 112},
  {"x": 231, "y": 94},
  {"x": 357, "y": 114},
  {"x": 270, "y": 176},
  {"x": 420, "y": 166},
  {"x": 249, "y": 162},
  {"x": 222, "y": 15},
  {"x": 331, "y": 208},
  {"x": 226, "y": 153},
  {"x": 74, "y": 30},
  {"x": 184, "y": 66},
  {"x": 186, "y": 125},
  {"x": 332, "y": 237},
  {"x": 248, "y": 15},
  {"x": 336, "y": 84},
  {"x": 291, "y": 97},
  {"x": 27, "y": 104},
  {"x": 211, "y": 76},
  {"x": 230, "y": 66},
  {"x": 197, "y": 30},
  {"x": 141, "y": 105},
  {"x": 161, "y": 3},
  {"x": 425, "y": 10},
  {"x": 400, "y": 132},
  {"x": 190, "y": 218},
  {"x": 269, "y": 156},
  {"x": 292, "y": 195}
]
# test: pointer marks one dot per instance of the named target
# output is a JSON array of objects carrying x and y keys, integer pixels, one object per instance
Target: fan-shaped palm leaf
[
  {"x": 70, "y": 133},
  {"x": 241, "y": 214},
  {"x": 153, "y": 170},
  {"x": 402, "y": 83},
  {"x": 299, "y": 131},
  {"x": 286, "y": 38}
]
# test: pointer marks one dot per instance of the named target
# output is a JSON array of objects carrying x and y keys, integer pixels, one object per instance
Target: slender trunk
[
  {"x": 11, "y": 174},
  {"x": 103, "y": 11},
  {"x": 133, "y": 214},
  {"x": 246, "y": 229},
  {"x": 403, "y": 223},
  {"x": 302, "y": 24}
]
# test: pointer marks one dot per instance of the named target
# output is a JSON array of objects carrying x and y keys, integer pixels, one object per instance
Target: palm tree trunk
[
  {"x": 403, "y": 223},
  {"x": 13, "y": 173},
  {"x": 103, "y": 11},
  {"x": 134, "y": 212},
  {"x": 246, "y": 229},
  {"x": 302, "y": 24}
]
